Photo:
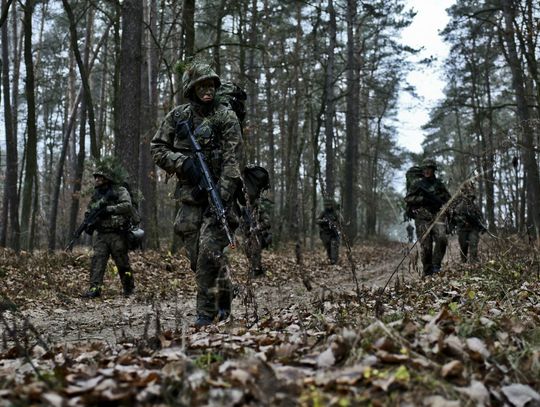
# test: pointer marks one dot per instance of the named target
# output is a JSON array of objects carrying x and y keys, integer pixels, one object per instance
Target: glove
[
  {"x": 227, "y": 190},
  {"x": 224, "y": 194},
  {"x": 191, "y": 171},
  {"x": 198, "y": 194}
]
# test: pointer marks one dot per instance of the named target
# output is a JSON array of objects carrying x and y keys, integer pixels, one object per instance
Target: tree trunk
[
  {"x": 31, "y": 143},
  {"x": 217, "y": 42},
  {"x": 330, "y": 103},
  {"x": 518, "y": 83},
  {"x": 10, "y": 208},
  {"x": 148, "y": 205},
  {"x": 129, "y": 130},
  {"x": 352, "y": 129},
  {"x": 188, "y": 19},
  {"x": 83, "y": 70},
  {"x": 59, "y": 171},
  {"x": 5, "y": 12}
]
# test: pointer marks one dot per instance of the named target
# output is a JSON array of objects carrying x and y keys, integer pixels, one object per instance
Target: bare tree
[
  {"x": 30, "y": 165},
  {"x": 352, "y": 129},
  {"x": 524, "y": 116},
  {"x": 127, "y": 139},
  {"x": 10, "y": 202}
]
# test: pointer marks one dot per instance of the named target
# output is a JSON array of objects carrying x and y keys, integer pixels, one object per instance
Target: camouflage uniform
[
  {"x": 111, "y": 239},
  {"x": 469, "y": 222},
  {"x": 426, "y": 197},
  {"x": 328, "y": 230},
  {"x": 218, "y": 133},
  {"x": 261, "y": 237}
]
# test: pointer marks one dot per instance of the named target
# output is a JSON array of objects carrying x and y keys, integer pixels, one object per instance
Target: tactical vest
[
  {"x": 110, "y": 222},
  {"x": 207, "y": 134}
]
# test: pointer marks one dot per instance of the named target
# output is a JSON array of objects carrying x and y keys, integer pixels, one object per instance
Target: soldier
[
  {"x": 259, "y": 237},
  {"x": 469, "y": 221},
  {"x": 114, "y": 203},
  {"x": 329, "y": 229},
  {"x": 256, "y": 223},
  {"x": 410, "y": 232},
  {"x": 426, "y": 197},
  {"x": 218, "y": 132}
]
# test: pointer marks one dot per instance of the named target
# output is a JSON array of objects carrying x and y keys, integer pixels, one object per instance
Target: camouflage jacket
[
  {"x": 466, "y": 214},
  {"x": 118, "y": 203},
  {"x": 219, "y": 136},
  {"x": 328, "y": 221},
  {"x": 426, "y": 197}
]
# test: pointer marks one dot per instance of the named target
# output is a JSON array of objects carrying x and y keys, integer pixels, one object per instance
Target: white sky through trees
[{"x": 423, "y": 33}]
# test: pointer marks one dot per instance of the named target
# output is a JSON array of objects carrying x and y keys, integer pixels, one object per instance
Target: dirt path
[{"x": 114, "y": 318}]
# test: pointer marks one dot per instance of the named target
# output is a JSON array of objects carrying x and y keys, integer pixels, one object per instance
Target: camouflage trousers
[
  {"x": 331, "y": 244},
  {"x": 253, "y": 250},
  {"x": 204, "y": 241},
  {"x": 468, "y": 239},
  {"x": 113, "y": 245},
  {"x": 433, "y": 247}
]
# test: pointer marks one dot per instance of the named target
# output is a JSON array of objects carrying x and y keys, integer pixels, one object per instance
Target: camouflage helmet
[
  {"x": 429, "y": 163},
  {"x": 111, "y": 169},
  {"x": 197, "y": 72}
]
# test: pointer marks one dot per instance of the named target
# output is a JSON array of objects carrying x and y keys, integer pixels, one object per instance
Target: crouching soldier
[
  {"x": 329, "y": 230},
  {"x": 112, "y": 204}
]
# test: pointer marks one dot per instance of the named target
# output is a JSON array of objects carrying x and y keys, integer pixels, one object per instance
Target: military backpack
[{"x": 413, "y": 174}]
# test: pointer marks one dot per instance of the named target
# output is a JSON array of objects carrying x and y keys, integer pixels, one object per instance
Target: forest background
[{"x": 83, "y": 80}]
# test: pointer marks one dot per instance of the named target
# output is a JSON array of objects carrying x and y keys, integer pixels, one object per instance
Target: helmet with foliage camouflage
[
  {"x": 197, "y": 72},
  {"x": 429, "y": 163},
  {"x": 111, "y": 169}
]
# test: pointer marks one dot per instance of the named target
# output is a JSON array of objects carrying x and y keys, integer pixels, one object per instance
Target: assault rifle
[
  {"x": 87, "y": 224},
  {"x": 208, "y": 184}
]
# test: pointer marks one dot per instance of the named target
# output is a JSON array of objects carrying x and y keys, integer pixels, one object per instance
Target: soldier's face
[
  {"x": 205, "y": 90},
  {"x": 428, "y": 172},
  {"x": 99, "y": 180}
]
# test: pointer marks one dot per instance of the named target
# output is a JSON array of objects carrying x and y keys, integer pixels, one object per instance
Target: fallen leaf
[
  {"x": 53, "y": 399},
  {"x": 438, "y": 401},
  {"x": 391, "y": 357},
  {"x": 520, "y": 394},
  {"x": 476, "y": 392},
  {"x": 326, "y": 359},
  {"x": 477, "y": 348},
  {"x": 452, "y": 369}
]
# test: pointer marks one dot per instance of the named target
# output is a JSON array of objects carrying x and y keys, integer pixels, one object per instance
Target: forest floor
[{"x": 306, "y": 334}]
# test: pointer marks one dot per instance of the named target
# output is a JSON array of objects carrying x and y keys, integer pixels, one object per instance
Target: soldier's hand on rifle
[
  {"x": 225, "y": 194},
  {"x": 191, "y": 171}
]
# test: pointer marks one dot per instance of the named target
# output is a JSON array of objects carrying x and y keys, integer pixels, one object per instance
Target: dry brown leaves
[{"x": 467, "y": 337}]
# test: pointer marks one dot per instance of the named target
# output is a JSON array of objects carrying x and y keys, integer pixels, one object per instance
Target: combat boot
[
  {"x": 203, "y": 320},
  {"x": 128, "y": 283},
  {"x": 128, "y": 290},
  {"x": 257, "y": 272},
  {"x": 93, "y": 292},
  {"x": 223, "y": 314}
]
